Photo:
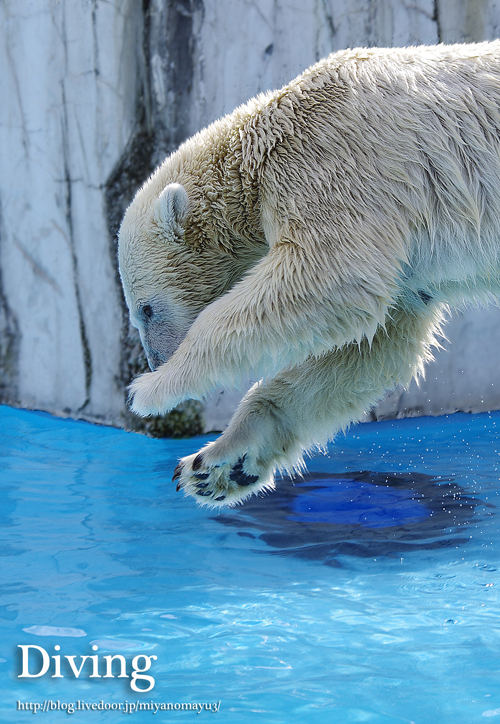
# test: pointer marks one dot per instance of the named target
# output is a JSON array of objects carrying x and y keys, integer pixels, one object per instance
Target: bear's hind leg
[{"x": 305, "y": 406}]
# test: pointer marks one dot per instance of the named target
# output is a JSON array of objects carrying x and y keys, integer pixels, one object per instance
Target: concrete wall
[{"x": 95, "y": 94}]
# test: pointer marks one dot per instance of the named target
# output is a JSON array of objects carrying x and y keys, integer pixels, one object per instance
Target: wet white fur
[{"x": 291, "y": 239}]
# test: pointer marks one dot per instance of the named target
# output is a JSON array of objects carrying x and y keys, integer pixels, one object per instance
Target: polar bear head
[
  {"x": 151, "y": 240},
  {"x": 176, "y": 256}
]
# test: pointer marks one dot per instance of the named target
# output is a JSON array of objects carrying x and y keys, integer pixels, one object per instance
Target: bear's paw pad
[{"x": 216, "y": 485}]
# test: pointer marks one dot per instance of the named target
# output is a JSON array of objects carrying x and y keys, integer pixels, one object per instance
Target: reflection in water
[{"x": 359, "y": 514}]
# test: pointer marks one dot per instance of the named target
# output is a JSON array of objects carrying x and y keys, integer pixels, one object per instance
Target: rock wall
[
  {"x": 95, "y": 94},
  {"x": 70, "y": 76}
]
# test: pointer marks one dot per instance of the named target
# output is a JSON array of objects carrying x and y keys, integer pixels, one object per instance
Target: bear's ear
[{"x": 170, "y": 209}]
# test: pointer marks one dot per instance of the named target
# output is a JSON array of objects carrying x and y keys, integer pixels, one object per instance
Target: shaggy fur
[{"x": 313, "y": 238}]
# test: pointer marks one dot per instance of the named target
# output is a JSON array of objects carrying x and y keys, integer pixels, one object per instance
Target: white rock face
[
  {"x": 68, "y": 71},
  {"x": 96, "y": 93}
]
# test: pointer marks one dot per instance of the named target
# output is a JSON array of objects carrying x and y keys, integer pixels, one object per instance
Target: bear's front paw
[
  {"x": 150, "y": 394},
  {"x": 217, "y": 483}
]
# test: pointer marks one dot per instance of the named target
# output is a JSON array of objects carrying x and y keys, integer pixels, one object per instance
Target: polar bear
[{"x": 313, "y": 238}]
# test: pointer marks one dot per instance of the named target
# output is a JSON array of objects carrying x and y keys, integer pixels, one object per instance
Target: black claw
[
  {"x": 202, "y": 476},
  {"x": 177, "y": 475},
  {"x": 239, "y": 476},
  {"x": 204, "y": 492},
  {"x": 197, "y": 462}
]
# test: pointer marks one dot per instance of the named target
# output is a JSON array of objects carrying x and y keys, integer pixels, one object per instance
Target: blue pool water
[{"x": 368, "y": 591}]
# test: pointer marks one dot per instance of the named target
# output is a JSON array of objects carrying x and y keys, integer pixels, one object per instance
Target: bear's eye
[{"x": 147, "y": 311}]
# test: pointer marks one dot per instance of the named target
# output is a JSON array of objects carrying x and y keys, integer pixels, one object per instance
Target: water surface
[{"x": 368, "y": 591}]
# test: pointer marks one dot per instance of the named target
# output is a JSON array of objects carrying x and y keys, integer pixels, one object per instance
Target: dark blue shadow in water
[{"x": 362, "y": 514}]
